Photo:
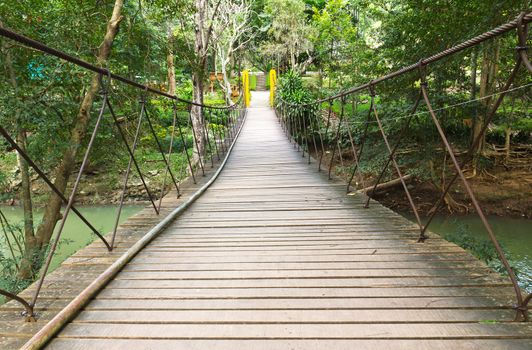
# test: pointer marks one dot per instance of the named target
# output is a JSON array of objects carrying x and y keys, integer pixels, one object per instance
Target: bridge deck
[{"x": 274, "y": 256}]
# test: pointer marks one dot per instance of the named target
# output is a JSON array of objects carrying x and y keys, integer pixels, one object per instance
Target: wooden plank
[
  {"x": 458, "y": 281},
  {"x": 289, "y": 344},
  {"x": 312, "y": 251},
  {"x": 181, "y": 264},
  {"x": 162, "y": 273},
  {"x": 301, "y": 292},
  {"x": 428, "y": 303},
  {"x": 414, "y": 259},
  {"x": 307, "y": 316},
  {"x": 301, "y": 331}
]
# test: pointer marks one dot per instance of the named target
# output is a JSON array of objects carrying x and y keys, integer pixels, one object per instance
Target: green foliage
[
  {"x": 9, "y": 263},
  {"x": 215, "y": 102},
  {"x": 335, "y": 41},
  {"x": 253, "y": 82},
  {"x": 290, "y": 89},
  {"x": 184, "y": 89},
  {"x": 288, "y": 32},
  {"x": 524, "y": 125}
]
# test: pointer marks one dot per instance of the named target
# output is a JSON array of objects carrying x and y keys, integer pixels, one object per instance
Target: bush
[
  {"x": 290, "y": 89},
  {"x": 216, "y": 102},
  {"x": 184, "y": 90},
  {"x": 253, "y": 82}
]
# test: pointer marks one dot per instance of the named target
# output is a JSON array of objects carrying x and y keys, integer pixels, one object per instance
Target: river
[
  {"x": 76, "y": 235},
  {"x": 514, "y": 234}
]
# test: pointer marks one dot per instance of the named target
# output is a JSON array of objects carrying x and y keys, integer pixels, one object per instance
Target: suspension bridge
[{"x": 267, "y": 252}]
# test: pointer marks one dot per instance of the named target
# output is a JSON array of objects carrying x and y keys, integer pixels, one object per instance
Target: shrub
[
  {"x": 253, "y": 82},
  {"x": 290, "y": 89}
]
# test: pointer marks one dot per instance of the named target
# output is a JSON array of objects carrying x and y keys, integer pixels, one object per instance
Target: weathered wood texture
[
  {"x": 78, "y": 271},
  {"x": 275, "y": 256}
]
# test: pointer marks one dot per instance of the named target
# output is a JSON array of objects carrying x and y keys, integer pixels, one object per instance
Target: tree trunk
[
  {"x": 30, "y": 245},
  {"x": 473, "y": 93},
  {"x": 473, "y": 74},
  {"x": 507, "y": 139},
  {"x": 197, "y": 115},
  {"x": 292, "y": 59},
  {"x": 386, "y": 185},
  {"x": 488, "y": 75},
  {"x": 226, "y": 84},
  {"x": 170, "y": 61},
  {"x": 198, "y": 76},
  {"x": 68, "y": 161},
  {"x": 452, "y": 204}
]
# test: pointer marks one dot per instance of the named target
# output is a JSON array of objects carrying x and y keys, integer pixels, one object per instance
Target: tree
[
  {"x": 231, "y": 33},
  {"x": 35, "y": 246},
  {"x": 290, "y": 33},
  {"x": 336, "y": 42},
  {"x": 26, "y": 266},
  {"x": 193, "y": 38}
]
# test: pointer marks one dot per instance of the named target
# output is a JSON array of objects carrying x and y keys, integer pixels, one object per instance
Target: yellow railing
[
  {"x": 245, "y": 86},
  {"x": 273, "y": 83}
]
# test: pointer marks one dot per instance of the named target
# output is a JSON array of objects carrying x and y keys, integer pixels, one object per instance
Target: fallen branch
[{"x": 385, "y": 185}]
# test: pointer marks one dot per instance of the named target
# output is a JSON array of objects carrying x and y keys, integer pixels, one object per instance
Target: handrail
[
  {"x": 300, "y": 120},
  {"x": 233, "y": 114}
]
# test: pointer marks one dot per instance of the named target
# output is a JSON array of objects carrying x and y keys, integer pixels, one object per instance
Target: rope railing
[
  {"x": 300, "y": 120},
  {"x": 219, "y": 124}
]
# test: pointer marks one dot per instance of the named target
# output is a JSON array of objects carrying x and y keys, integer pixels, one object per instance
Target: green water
[
  {"x": 515, "y": 235},
  {"x": 76, "y": 234}
]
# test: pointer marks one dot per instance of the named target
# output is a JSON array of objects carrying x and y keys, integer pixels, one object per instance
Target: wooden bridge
[{"x": 275, "y": 256}]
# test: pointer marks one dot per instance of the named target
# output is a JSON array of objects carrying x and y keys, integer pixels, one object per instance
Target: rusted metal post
[
  {"x": 364, "y": 137},
  {"x": 184, "y": 142},
  {"x": 170, "y": 148},
  {"x": 396, "y": 166},
  {"x": 161, "y": 151},
  {"x": 326, "y": 132},
  {"x": 337, "y": 135},
  {"x": 355, "y": 156},
  {"x": 401, "y": 135},
  {"x": 312, "y": 119},
  {"x": 521, "y": 306},
  {"x": 128, "y": 171},
  {"x": 131, "y": 154},
  {"x": 84, "y": 163}
]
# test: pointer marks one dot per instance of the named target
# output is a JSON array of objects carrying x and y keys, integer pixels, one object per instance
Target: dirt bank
[{"x": 502, "y": 192}]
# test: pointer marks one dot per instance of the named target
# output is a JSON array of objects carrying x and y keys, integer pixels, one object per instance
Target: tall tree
[
  {"x": 336, "y": 42},
  {"x": 25, "y": 184},
  {"x": 231, "y": 33},
  {"x": 36, "y": 246},
  {"x": 290, "y": 32}
]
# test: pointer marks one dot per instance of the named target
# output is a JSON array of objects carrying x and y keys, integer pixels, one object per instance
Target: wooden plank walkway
[
  {"x": 78, "y": 271},
  {"x": 275, "y": 256}
]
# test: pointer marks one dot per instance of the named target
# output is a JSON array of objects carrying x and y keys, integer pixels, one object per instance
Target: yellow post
[
  {"x": 245, "y": 87},
  {"x": 273, "y": 83}
]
